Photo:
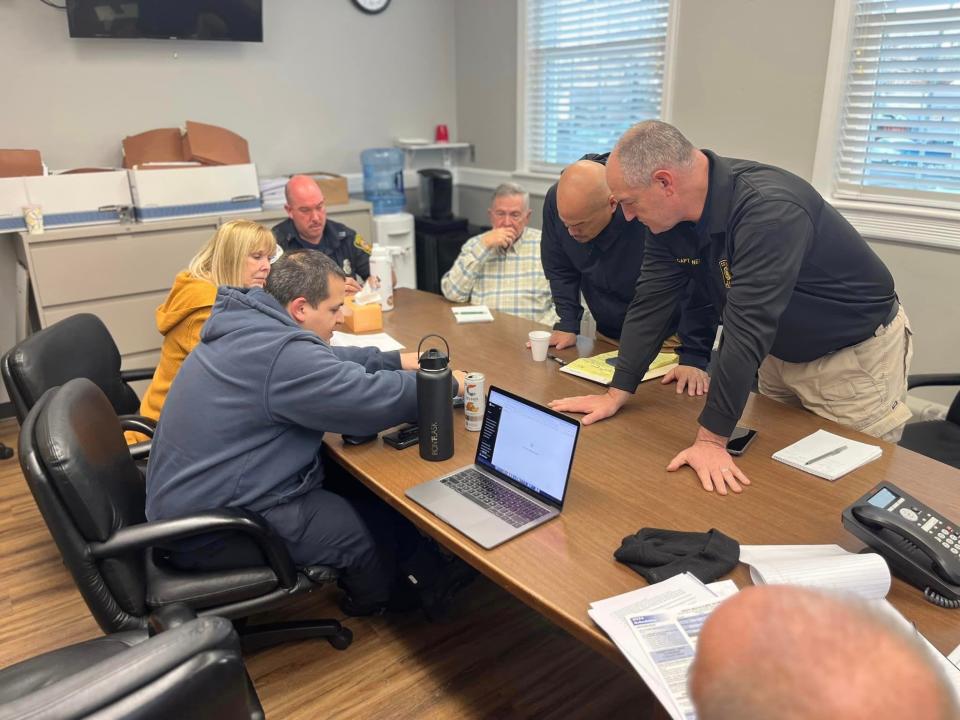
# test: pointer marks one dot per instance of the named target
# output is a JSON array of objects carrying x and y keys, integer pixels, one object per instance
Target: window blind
[
  {"x": 593, "y": 69},
  {"x": 900, "y": 127}
]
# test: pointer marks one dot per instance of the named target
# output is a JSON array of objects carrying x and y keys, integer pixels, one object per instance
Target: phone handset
[{"x": 944, "y": 563}]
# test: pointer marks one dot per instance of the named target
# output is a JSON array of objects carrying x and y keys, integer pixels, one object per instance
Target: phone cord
[{"x": 939, "y": 600}]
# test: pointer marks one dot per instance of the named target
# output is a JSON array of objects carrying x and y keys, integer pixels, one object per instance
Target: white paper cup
[
  {"x": 33, "y": 217},
  {"x": 539, "y": 342}
]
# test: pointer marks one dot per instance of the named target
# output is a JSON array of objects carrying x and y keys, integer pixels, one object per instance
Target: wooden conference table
[{"x": 619, "y": 485}]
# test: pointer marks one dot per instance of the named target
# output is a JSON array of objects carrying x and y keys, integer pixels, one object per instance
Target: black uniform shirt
[
  {"x": 344, "y": 246},
  {"x": 791, "y": 277},
  {"x": 605, "y": 270}
]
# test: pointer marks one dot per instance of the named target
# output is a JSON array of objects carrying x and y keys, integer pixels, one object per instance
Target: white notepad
[
  {"x": 828, "y": 567},
  {"x": 827, "y": 455},
  {"x": 472, "y": 313}
]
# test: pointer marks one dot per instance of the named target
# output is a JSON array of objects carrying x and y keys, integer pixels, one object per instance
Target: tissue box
[{"x": 362, "y": 318}]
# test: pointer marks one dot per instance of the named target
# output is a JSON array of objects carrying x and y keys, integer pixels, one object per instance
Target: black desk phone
[{"x": 920, "y": 545}]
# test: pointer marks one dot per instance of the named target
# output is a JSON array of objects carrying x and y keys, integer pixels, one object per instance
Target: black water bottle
[{"x": 435, "y": 402}]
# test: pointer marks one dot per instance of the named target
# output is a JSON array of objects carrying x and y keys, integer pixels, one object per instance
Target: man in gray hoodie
[{"x": 245, "y": 417}]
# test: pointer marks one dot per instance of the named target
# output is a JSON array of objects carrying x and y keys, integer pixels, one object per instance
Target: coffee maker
[{"x": 436, "y": 194}]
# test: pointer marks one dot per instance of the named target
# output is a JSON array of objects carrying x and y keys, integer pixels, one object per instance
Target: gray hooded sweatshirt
[{"x": 245, "y": 417}]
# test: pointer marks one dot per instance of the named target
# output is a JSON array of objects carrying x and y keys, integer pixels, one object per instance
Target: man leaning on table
[{"x": 803, "y": 297}]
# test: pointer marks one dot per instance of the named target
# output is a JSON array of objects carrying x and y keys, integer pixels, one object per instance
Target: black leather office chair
[
  {"x": 89, "y": 492},
  {"x": 77, "y": 346},
  {"x": 191, "y": 671},
  {"x": 938, "y": 439}
]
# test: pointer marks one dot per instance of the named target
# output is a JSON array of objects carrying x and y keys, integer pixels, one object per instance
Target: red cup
[{"x": 442, "y": 135}]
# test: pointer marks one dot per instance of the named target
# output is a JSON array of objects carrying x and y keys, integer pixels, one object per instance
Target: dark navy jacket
[
  {"x": 245, "y": 417},
  {"x": 346, "y": 247},
  {"x": 791, "y": 277},
  {"x": 605, "y": 270}
]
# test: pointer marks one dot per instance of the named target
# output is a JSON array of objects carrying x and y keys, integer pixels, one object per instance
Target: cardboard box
[
  {"x": 214, "y": 145},
  {"x": 362, "y": 318},
  {"x": 163, "y": 194},
  {"x": 333, "y": 186},
  {"x": 153, "y": 146},
  {"x": 13, "y": 196},
  {"x": 89, "y": 198},
  {"x": 20, "y": 163}
]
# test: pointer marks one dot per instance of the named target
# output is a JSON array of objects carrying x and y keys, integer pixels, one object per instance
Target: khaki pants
[{"x": 863, "y": 386}]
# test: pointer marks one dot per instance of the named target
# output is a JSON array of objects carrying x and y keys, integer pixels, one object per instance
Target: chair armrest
[
  {"x": 932, "y": 379},
  {"x": 168, "y": 617},
  {"x": 146, "y": 535},
  {"x": 137, "y": 374},
  {"x": 138, "y": 423}
]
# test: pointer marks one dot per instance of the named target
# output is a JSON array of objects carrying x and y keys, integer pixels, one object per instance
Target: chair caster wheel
[{"x": 342, "y": 640}]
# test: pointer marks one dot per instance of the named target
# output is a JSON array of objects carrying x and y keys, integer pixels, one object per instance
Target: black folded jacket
[{"x": 660, "y": 554}]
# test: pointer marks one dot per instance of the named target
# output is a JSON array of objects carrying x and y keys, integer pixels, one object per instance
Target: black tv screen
[{"x": 238, "y": 20}]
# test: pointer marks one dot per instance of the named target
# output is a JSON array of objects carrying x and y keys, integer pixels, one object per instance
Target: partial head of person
[
  {"x": 584, "y": 201},
  {"x": 312, "y": 289},
  {"x": 510, "y": 208},
  {"x": 793, "y": 653},
  {"x": 658, "y": 176},
  {"x": 238, "y": 255},
  {"x": 306, "y": 207}
]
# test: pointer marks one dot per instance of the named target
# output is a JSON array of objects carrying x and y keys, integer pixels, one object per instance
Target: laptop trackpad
[{"x": 450, "y": 505}]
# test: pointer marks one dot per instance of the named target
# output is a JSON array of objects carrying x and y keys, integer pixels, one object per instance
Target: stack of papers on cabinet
[
  {"x": 600, "y": 368},
  {"x": 827, "y": 455}
]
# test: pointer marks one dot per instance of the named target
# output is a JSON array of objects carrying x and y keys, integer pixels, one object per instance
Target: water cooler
[{"x": 396, "y": 231}]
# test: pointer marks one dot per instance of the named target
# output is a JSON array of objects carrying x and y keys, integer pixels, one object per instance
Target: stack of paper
[
  {"x": 827, "y": 455},
  {"x": 472, "y": 313},
  {"x": 656, "y": 628},
  {"x": 599, "y": 368},
  {"x": 272, "y": 192},
  {"x": 828, "y": 567},
  {"x": 383, "y": 341}
]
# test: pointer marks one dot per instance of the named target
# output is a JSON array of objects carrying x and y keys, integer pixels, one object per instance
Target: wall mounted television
[{"x": 236, "y": 20}]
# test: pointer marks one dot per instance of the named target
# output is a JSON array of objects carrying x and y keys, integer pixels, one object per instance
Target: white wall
[{"x": 327, "y": 82}]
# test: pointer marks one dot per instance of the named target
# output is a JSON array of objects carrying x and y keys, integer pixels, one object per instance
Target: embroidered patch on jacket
[
  {"x": 347, "y": 267},
  {"x": 688, "y": 261},
  {"x": 725, "y": 271},
  {"x": 359, "y": 242}
]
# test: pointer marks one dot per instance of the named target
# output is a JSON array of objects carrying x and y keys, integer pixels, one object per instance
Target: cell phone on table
[
  {"x": 740, "y": 439},
  {"x": 403, "y": 437}
]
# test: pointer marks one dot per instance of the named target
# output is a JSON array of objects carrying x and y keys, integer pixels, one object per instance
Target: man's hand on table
[
  {"x": 709, "y": 458},
  {"x": 692, "y": 379},
  {"x": 595, "y": 407}
]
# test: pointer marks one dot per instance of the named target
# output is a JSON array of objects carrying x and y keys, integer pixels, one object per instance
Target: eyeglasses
[{"x": 500, "y": 215}]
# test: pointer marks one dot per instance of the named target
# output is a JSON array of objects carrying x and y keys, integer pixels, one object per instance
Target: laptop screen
[{"x": 527, "y": 444}]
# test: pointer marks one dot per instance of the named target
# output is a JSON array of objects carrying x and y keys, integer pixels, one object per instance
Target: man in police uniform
[
  {"x": 804, "y": 299},
  {"x": 308, "y": 228},
  {"x": 589, "y": 247}
]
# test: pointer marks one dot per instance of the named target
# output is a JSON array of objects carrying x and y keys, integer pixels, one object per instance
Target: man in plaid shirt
[{"x": 501, "y": 268}]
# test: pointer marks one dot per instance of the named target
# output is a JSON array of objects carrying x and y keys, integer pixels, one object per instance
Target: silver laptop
[{"x": 518, "y": 479}]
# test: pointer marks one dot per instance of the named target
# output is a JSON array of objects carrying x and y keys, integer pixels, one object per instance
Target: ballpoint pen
[
  {"x": 557, "y": 359},
  {"x": 835, "y": 451},
  {"x": 472, "y": 312}
]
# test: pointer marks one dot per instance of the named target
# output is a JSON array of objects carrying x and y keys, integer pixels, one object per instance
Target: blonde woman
[{"x": 239, "y": 255}]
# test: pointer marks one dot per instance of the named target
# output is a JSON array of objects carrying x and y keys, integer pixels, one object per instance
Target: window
[
  {"x": 592, "y": 68},
  {"x": 897, "y": 134}
]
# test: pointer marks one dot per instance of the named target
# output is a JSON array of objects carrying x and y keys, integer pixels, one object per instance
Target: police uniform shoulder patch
[{"x": 359, "y": 242}]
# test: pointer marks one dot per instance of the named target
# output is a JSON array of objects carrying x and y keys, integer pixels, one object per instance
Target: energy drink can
[{"x": 473, "y": 400}]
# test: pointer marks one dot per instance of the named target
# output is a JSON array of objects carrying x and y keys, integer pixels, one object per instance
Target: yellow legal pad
[{"x": 598, "y": 370}]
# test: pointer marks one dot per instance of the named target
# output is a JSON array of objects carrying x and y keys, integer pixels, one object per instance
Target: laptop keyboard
[{"x": 503, "y": 502}]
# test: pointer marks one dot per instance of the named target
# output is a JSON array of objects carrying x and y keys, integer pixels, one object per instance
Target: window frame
[
  {"x": 901, "y": 219},
  {"x": 523, "y": 170}
]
